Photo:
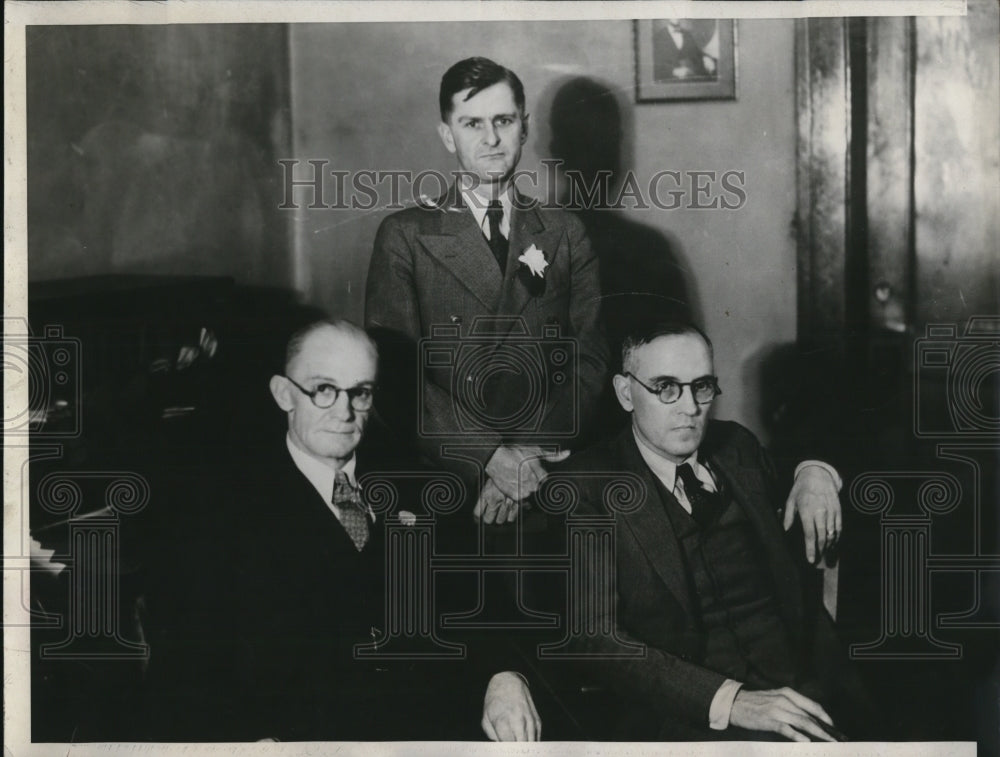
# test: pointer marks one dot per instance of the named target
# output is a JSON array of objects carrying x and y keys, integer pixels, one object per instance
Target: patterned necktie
[
  {"x": 498, "y": 242},
  {"x": 704, "y": 504},
  {"x": 353, "y": 514}
]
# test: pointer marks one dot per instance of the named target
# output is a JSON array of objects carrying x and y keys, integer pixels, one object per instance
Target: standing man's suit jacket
[
  {"x": 433, "y": 267},
  {"x": 669, "y": 689}
]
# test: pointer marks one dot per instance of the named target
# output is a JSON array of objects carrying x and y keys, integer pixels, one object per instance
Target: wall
[
  {"x": 151, "y": 150},
  {"x": 155, "y": 149},
  {"x": 365, "y": 97}
]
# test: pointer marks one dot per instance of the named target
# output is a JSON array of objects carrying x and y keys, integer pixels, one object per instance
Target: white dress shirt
[
  {"x": 322, "y": 476},
  {"x": 478, "y": 205},
  {"x": 666, "y": 471}
]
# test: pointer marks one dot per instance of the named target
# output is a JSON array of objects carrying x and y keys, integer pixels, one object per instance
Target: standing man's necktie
[
  {"x": 353, "y": 514},
  {"x": 498, "y": 242},
  {"x": 704, "y": 504}
]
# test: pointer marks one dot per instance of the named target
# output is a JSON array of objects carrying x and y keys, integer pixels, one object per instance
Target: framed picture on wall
[{"x": 685, "y": 59}]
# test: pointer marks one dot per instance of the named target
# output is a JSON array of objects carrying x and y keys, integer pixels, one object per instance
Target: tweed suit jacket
[{"x": 432, "y": 268}]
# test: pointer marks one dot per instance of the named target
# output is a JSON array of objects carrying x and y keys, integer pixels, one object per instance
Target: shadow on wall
[
  {"x": 644, "y": 277},
  {"x": 642, "y": 270}
]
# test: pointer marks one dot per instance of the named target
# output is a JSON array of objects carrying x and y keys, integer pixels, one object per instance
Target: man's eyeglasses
[
  {"x": 704, "y": 389},
  {"x": 325, "y": 395}
]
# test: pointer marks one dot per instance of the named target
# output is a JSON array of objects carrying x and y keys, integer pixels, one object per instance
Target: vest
[{"x": 730, "y": 582}]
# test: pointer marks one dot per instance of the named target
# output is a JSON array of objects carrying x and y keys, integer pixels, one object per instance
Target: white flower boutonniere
[{"x": 535, "y": 260}]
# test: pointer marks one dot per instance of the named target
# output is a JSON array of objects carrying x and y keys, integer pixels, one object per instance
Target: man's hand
[
  {"x": 815, "y": 498},
  {"x": 509, "y": 713},
  {"x": 517, "y": 471},
  {"x": 782, "y": 711},
  {"x": 493, "y": 507}
]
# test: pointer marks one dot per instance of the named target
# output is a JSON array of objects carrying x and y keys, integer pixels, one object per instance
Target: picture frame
[{"x": 685, "y": 59}]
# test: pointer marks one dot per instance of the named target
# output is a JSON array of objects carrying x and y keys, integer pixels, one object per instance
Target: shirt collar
[
  {"x": 478, "y": 205},
  {"x": 321, "y": 476},
  {"x": 665, "y": 470}
]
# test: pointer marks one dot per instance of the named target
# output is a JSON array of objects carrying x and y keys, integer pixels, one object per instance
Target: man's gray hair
[
  {"x": 345, "y": 327},
  {"x": 642, "y": 336}
]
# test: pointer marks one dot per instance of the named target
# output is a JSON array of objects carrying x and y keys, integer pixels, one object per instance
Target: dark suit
[
  {"x": 667, "y": 694},
  {"x": 433, "y": 267},
  {"x": 304, "y": 596},
  {"x": 270, "y": 597}
]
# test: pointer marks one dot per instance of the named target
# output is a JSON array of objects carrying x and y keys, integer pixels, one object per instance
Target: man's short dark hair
[
  {"x": 648, "y": 333},
  {"x": 476, "y": 74}
]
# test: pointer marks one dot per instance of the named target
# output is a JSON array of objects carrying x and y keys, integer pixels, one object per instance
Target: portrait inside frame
[{"x": 685, "y": 59}]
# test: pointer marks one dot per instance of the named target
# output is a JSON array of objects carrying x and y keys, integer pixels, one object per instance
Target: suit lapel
[
  {"x": 458, "y": 244},
  {"x": 526, "y": 228},
  {"x": 747, "y": 486},
  {"x": 320, "y": 531},
  {"x": 651, "y": 526}
]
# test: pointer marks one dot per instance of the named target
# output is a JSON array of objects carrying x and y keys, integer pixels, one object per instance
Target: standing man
[
  {"x": 526, "y": 381},
  {"x": 737, "y": 646},
  {"x": 484, "y": 251}
]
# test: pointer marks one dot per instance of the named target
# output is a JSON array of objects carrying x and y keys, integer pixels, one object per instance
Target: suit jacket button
[{"x": 457, "y": 319}]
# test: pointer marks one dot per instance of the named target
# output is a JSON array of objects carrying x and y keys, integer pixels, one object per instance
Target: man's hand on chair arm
[{"x": 815, "y": 496}]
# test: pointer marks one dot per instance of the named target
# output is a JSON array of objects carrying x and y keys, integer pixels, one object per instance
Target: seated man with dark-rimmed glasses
[
  {"x": 290, "y": 579},
  {"x": 728, "y": 640}
]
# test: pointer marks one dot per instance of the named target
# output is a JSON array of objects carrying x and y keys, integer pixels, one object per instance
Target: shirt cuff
[
  {"x": 820, "y": 464},
  {"x": 510, "y": 673},
  {"x": 722, "y": 705}
]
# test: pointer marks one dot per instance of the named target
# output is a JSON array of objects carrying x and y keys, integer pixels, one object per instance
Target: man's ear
[
  {"x": 623, "y": 391},
  {"x": 280, "y": 392},
  {"x": 524, "y": 127},
  {"x": 444, "y": 131}
]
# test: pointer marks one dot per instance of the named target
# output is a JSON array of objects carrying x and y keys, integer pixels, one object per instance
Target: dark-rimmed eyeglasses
[
  {"x": 325, "y": 395},
  {"x": 703, "y": 389}
]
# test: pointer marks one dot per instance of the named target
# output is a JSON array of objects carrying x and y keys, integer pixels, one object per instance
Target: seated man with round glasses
[
  {"x": 288, "y": 578},
  {"x": 325, "y": 395},
  {"x": 737, "y": 644}
]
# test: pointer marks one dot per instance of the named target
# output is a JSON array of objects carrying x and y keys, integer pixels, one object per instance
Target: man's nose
[
  {"x": 686, "y": 402},
  {"x": 341, "y": 407},
  {"x": 491, "y": 135}
]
